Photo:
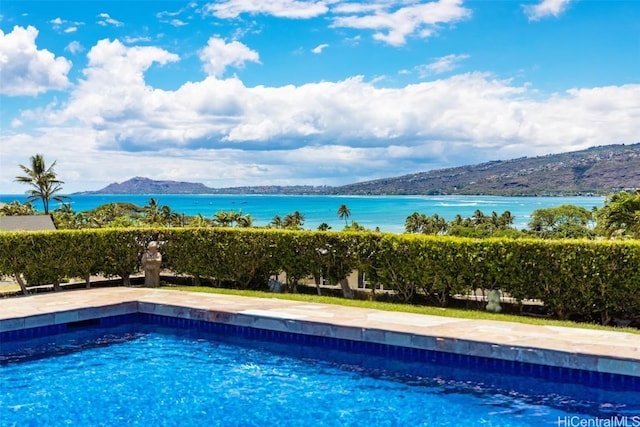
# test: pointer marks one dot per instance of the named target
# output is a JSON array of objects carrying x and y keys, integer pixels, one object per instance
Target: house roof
[{"x": 26, "y": 223}]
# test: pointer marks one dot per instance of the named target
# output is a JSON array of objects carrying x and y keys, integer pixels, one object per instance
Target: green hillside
[{"x": 597, "y": 170}]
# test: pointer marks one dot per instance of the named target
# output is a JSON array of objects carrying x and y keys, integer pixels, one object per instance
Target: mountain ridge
[{"x": 594, "y": 171}]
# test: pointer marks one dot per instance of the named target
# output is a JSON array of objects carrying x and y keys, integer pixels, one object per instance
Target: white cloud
[
  {"x": 316, "y": 133},
  {"x": 393, "y": 25},
  {"x": 546, "y": 8},
  {"x": 107, "y": 20},
  {"x": 169, "y": 14},
  {"x": 392, "y": 21},
  {"x": 74, "y": 47},
  {"x": 171, "y": 18},
  {"x": 134, "y": 40},
  {"x": 25, "y": 69},
  {"x": 473, "y": 110},
  {"x": 113, "y": 85},
  {"x": 441, "y": 65},
  {"x": 345, "y": 8},
  {"x": 281, "y": 8},
  {"x": 218, "y": 55},
  {"x": 71, "y": 27},
  {"x": 320, "y": 48}
]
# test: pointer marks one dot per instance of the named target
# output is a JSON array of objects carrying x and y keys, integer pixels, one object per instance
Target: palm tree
[
  {"x": 43, "y": 180},
  {"x": 152, "y": 212},
  {"x": 344, "y": 213},
  {"x": 415, "y": 223},
  {"x": 478, "y": 218},
  {"x": 224, "y": 218},
  {"x": 495, "y": 219},
  {"x": 506, "y": 219},
  {"x": 457, "y": 220},
  {"x": 198, "y": 221},
  {"x": 169, "y": 217},
  {"x": 228, "y": 218},
  {"x": 293, "y": 221},
  {"x": 435, "y": 224},
  {"x": 276, "y": 222},
  {"x": 245, "y": 221}
]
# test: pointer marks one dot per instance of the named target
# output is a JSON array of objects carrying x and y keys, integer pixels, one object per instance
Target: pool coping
[{"x": 602, "y": 352}]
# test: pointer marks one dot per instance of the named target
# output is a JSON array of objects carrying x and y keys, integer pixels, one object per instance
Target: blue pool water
[{"x": 150, "y": 375}]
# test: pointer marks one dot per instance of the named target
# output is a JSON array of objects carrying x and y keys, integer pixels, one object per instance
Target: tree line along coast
[{"x": 618, "y": 218}]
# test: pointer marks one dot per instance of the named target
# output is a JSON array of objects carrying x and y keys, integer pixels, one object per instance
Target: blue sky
[{"x": 322, "y": 92}]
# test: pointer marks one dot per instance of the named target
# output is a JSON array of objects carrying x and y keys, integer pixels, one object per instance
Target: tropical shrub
[{"x": 588, "y": 279}]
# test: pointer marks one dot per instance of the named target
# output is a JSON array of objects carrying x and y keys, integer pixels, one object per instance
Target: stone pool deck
[{"x": 591, "y": 350}]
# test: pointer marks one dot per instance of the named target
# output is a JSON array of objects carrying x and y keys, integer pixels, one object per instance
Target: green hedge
[{"x": 590, "y": 279}]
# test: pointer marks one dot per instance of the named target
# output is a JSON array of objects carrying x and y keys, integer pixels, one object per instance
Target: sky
[{"x": 308, "y": 92}]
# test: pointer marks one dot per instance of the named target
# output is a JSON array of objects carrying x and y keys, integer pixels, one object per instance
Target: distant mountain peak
[{"x": 143, "y": 185}]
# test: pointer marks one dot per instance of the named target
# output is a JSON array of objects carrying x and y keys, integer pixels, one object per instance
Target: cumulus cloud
[
  {"x": 113, "y": 83},
  {"x": 27, "y": 70},
  {"x": 218, "y": 55},
  {"x": 397, "y": 20},
  {"x": 342, "y": 131},
  {"x": 295, "y": 9},
  {"x": 320, "y": 48},
  {"x": 466, "y": 110},
  {"x": 546, "y": 8},
  {"x": 128, "y": 62}
]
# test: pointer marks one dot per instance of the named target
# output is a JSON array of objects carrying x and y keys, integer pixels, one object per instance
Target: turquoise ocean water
[{"x": 386, "y": 212}]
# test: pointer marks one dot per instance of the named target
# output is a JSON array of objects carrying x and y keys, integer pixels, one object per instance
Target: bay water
[{"x": 388, "y": 213}]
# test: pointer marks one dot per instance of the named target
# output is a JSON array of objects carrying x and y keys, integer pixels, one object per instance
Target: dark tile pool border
[{"x": 409, "y": 354}]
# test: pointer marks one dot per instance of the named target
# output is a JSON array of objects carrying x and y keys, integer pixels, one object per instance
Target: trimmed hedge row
[{"x": 572, "y": 277}]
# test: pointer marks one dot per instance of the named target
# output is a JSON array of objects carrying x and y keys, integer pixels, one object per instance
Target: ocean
[{"x": 386, "y": 212}]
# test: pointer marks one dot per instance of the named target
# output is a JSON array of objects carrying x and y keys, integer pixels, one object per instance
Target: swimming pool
[{"x": 143, "y": 373}]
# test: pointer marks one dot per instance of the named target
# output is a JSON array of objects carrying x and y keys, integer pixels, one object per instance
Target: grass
[{"x": 407, "y": 308}]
